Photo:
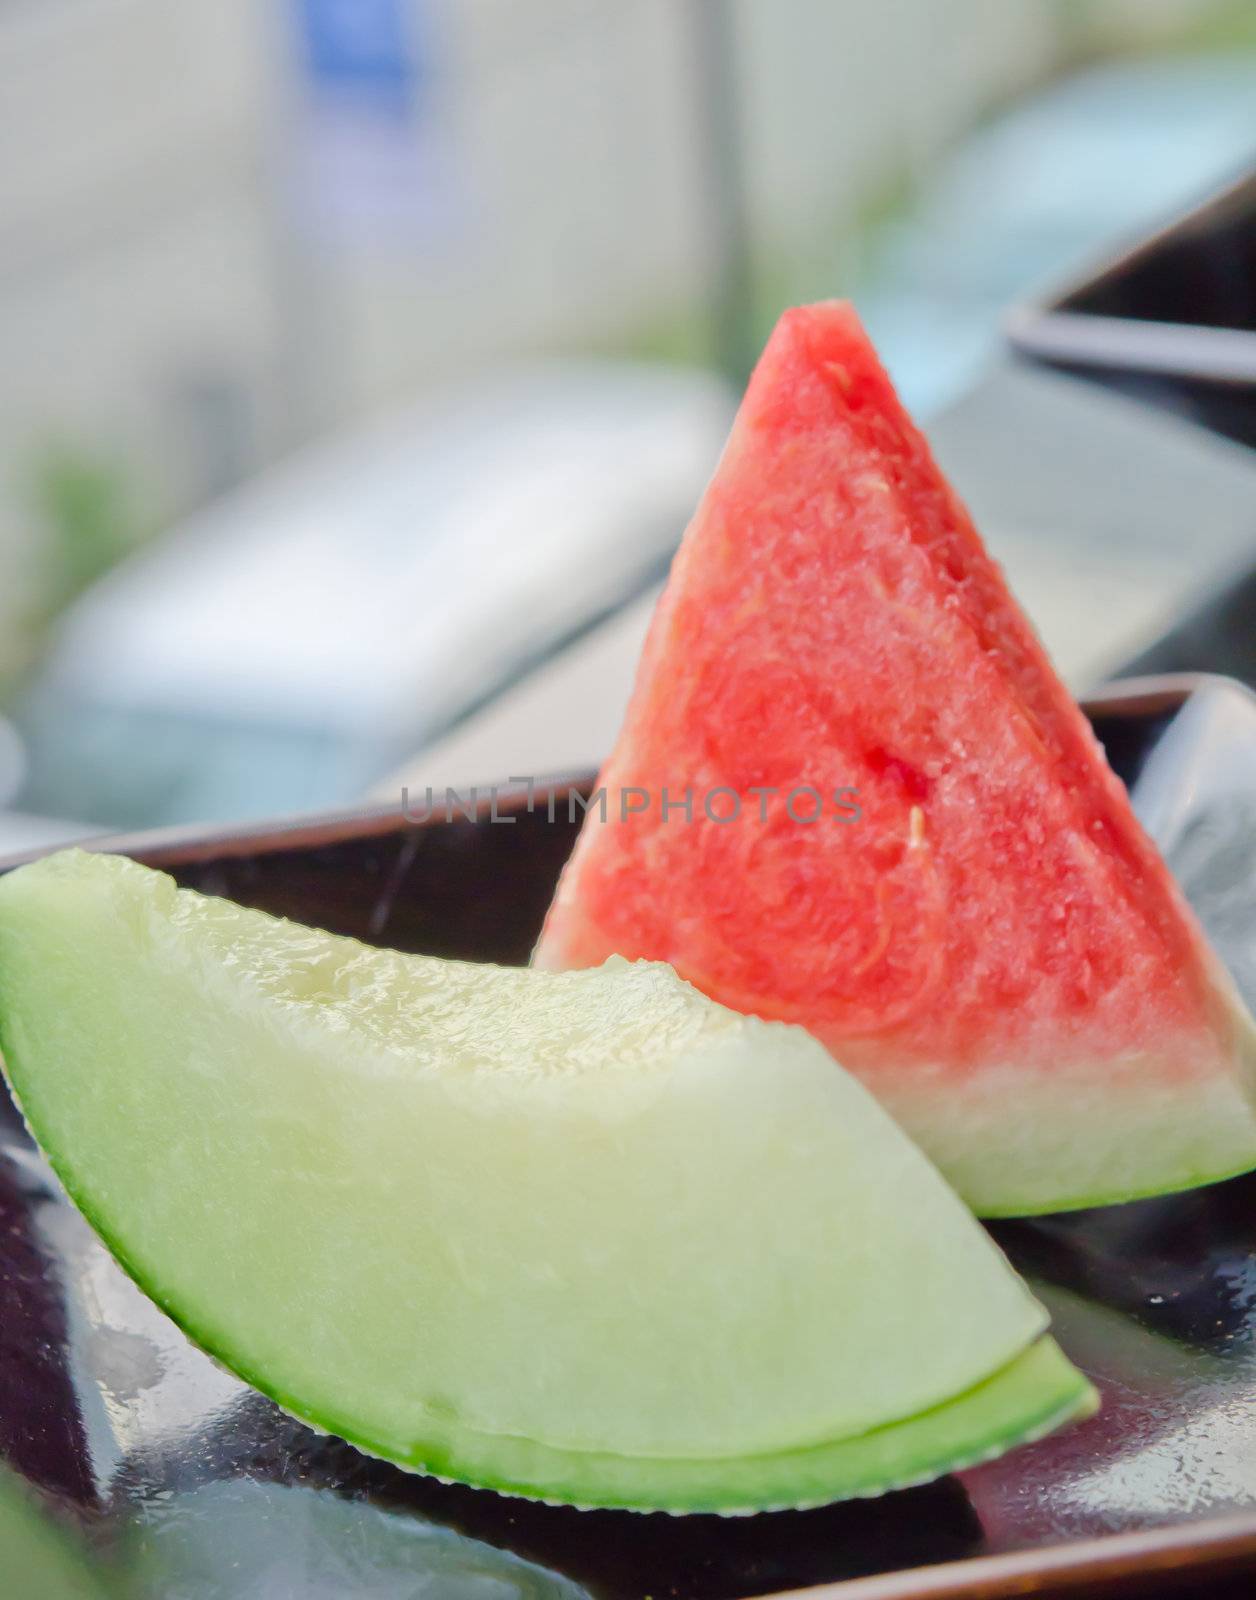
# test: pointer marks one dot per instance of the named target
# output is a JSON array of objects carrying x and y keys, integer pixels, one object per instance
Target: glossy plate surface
[{"x": 201, "y": 1490}]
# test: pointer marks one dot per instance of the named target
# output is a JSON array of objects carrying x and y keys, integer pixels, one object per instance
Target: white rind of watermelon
[{"x": 1019, "y": 1142}]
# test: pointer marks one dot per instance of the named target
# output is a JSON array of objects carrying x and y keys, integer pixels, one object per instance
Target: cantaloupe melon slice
[
  {"x": 586, "y": 1237},
  {"x": 901, "y": 831}
]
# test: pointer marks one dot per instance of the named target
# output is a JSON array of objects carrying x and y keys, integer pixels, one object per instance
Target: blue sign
[
  {"x": 365, "y": 50},
  {"x": 370, "y": 159}
]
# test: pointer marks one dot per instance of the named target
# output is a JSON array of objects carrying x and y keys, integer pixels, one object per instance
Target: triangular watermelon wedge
[{"x": 982, "y": 930}]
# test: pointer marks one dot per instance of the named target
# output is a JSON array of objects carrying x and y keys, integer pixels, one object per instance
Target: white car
[
  {"x": 290, "y": 645},
  {"x": 18, "y": 831}
]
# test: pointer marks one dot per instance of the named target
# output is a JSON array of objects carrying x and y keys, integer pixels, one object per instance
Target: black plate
[
  {"x": 205, "y": 1491},
  {"x": 1170, "y": 318}
]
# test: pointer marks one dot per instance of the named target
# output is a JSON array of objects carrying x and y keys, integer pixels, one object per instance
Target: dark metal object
[
  {"x": 207, "y": 1492},
  {"x": 1218, "y": 635},
  {"x": 1171, "y": 319}
]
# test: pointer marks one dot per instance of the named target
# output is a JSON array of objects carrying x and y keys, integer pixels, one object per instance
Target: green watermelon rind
[
  {"x": 1032, "y": 1395},
  {"x": 1109, "y": 1197}
]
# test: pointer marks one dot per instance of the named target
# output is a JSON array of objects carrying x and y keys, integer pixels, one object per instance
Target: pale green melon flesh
[
  {"x": 585, "y": 1236},
  {"x": 38, "y": 1558}
]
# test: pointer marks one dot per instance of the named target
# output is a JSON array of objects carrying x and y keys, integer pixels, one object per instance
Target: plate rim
[{"x": 1212, "y": 1547}]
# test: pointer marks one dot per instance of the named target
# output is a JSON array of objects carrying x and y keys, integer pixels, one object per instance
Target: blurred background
[{"x": 361, "y": 360}]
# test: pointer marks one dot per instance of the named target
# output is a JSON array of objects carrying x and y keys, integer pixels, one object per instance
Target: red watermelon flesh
[{"x": 992, "y": 943}]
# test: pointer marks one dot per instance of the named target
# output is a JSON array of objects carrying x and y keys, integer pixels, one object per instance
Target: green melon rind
[{"x": 1035, "y": 1393}]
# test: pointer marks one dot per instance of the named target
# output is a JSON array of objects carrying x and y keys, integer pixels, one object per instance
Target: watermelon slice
[{"x": 903, "y": 833}]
